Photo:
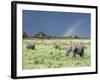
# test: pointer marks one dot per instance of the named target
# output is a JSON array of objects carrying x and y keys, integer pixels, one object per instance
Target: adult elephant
[{"x": 76, "y": 49}]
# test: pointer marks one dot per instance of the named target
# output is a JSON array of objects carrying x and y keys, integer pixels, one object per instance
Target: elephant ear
[{"x": 73, "y": 48}]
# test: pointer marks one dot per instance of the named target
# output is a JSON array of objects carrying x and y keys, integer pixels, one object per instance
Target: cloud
[{"x": 71, "y": 29}]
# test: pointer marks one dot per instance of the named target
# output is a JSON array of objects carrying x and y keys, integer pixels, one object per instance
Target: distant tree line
[{"x": 42, "y": 35}]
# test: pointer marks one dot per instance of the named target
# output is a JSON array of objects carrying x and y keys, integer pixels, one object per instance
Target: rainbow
[{"x": 71, "y": 29}]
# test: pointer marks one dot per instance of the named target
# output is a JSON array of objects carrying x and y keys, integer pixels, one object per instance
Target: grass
[{"x": 46, "y": 56}]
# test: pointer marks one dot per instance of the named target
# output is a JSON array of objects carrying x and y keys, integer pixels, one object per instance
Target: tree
[
  {"x": 25, "y": 35},
  {"x": 49, "y": 37},
  {"x": 76, "y": 37},
  {"x": 40, "y": 35}
]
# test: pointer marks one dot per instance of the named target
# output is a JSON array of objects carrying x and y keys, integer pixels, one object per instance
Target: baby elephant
[
  {"x": 76, "y": 49},
  {"x": 32, "y": 46}
]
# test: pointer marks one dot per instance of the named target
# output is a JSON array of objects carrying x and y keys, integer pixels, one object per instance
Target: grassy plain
[{"x": 46, "y": 56}]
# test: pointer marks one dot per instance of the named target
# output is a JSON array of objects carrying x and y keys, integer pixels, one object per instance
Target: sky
[{"x": 59, "y": 24}]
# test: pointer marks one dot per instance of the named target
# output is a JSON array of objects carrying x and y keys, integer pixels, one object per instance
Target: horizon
[{"x": 60, "y": 24}]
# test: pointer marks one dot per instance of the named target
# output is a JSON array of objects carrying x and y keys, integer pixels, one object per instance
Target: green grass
[{"x": 46, "y": 56}]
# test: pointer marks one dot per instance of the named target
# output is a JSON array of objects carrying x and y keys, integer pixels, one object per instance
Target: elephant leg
[
  {"x": 82, "y": 54},
  {"x": 74, "y": 55}
]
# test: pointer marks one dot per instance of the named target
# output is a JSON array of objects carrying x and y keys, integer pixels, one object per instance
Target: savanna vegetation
[{"x": 42, "y": 51}]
